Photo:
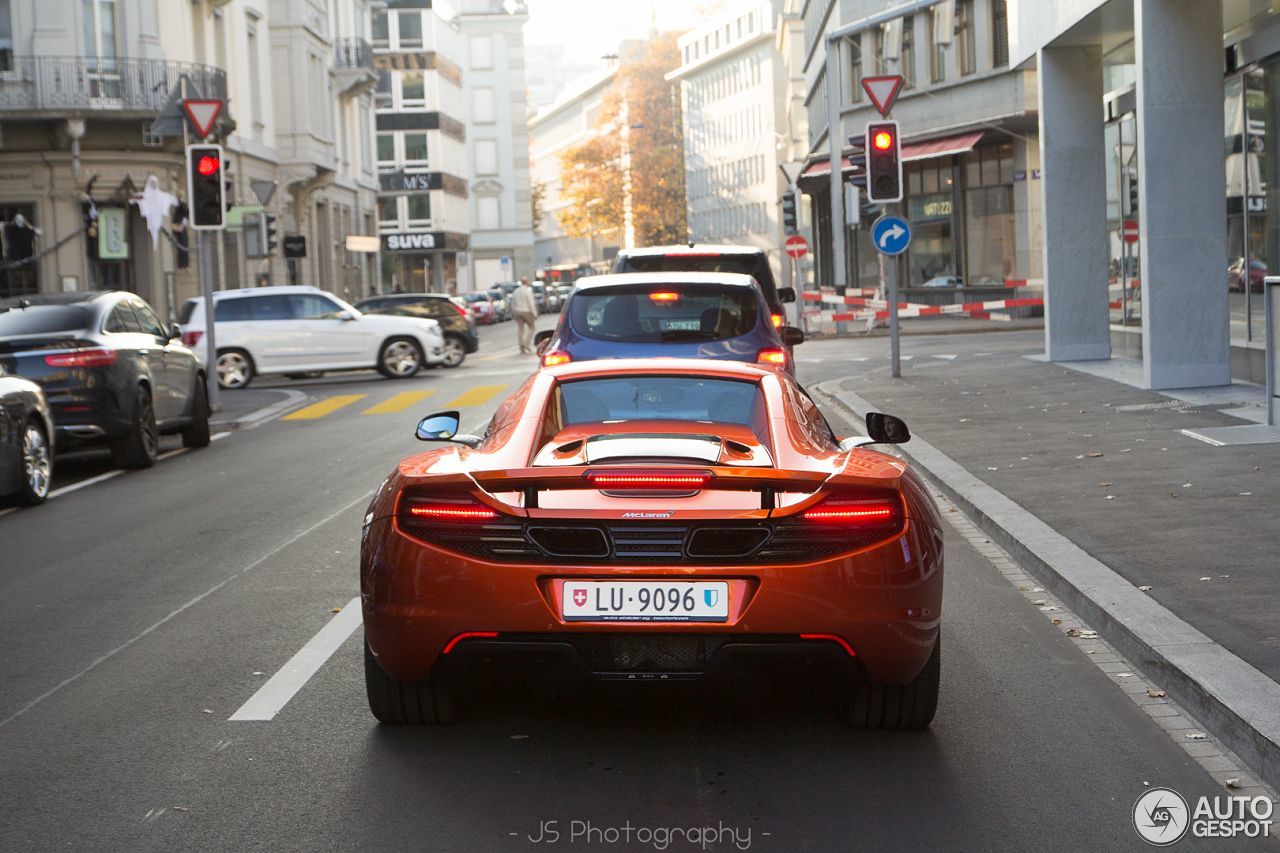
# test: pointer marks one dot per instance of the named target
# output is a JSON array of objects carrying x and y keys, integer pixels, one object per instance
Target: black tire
[
  {"x": 37, "y": 464},
  {"x": 196, "y": 433},
  {"x": 403, "y": 703},
  {"x": 140, "y": 447},
  {"x": 896, "y": 706},
  {"x": 400, "y": 358},
  {"x": 234, "y": 368},
  {"x": 455, "y": 351}
]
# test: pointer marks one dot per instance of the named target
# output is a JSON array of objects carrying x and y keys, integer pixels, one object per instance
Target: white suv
[{"x": 301, "y": 330}]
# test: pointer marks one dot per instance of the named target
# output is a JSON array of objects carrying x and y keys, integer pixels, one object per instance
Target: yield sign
[
  {"x": 883, "y": 91},
  {"x": 203, "y": 113}
]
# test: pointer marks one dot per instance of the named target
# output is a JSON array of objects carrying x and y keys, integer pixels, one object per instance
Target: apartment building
[
  {"x": 969, "y": 127},
  {"x": 733, "y": 81},
  {"x": 89, "y": 117}
]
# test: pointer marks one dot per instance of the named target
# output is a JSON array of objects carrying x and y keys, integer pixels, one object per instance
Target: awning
[{"x": 944, "y": 147}]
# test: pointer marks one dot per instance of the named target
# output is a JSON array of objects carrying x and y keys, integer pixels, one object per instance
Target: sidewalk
[{"x": 1188, "y": 525}]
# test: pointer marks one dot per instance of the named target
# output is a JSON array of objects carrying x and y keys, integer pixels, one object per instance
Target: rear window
[
  {"x": 43, "y": 320},
  {"x": 656, "y": 314},
  {"x": 752, "y": 265},
  {"x": 184, "y": 314},
  {"x": 679, "y": 398},
  {"x": 253, "y": 308}
]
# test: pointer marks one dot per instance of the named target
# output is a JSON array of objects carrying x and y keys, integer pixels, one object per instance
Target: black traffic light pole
[
  {"x": 206, "y": 200},
  {"x": 884, "y": 185}
]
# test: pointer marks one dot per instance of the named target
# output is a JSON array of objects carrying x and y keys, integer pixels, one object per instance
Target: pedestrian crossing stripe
[
  {"x": 399, "y": 403},
  {"x": 477, "y": 396},
  {"x": 324, "y": 407}
]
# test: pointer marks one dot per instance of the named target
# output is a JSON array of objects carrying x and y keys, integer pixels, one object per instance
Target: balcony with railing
[
  {"x": 62, "y": 84},
  {"x": 353, "y": 66}
]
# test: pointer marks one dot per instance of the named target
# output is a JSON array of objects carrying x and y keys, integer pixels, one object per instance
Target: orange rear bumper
[{"x": 884, "y": 601}]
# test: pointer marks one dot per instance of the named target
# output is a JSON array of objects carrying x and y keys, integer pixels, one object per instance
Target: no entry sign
[
  {"x": 797, "y": 246},
  {"x": 1129, "y": 230}
]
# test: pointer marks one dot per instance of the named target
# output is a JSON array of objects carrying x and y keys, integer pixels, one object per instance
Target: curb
[
  {"x": 292, "y": 400},
  {"x": 1236, "y": 702}
]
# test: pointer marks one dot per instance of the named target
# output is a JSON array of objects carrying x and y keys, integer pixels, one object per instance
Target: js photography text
[{"x": 660, "y": 837}]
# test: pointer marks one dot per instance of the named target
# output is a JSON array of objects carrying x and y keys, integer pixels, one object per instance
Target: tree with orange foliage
[{"x": 593, "y": 174}]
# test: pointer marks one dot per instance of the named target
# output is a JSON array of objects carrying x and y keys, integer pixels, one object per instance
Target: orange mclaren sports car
[{"x": 651, "y": 519}]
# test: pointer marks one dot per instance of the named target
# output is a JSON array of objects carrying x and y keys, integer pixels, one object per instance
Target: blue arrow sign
[{"x": 891, "y": 234}]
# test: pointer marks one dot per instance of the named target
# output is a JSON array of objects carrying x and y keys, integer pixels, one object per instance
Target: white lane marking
[
  {"x": 294, "y": 675},
  {"x": 947, "y": 356},
  {"x": 218, "y": 436},
  {"x": 172, "y": 453},
  {"x": 75, "y": 487},
  {"x": 192, "y": 603}
]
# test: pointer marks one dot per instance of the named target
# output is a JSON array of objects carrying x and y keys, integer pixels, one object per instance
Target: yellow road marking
[
  {"x": 398, "y": 403},
  {"x": 477, "y": 396},
  {"x": 324, "y": 407}
]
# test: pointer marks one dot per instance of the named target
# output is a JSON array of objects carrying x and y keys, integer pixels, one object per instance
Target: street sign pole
[
  {"x": 891, "y": 235},
  {"x": 895, "y": 360},
  {"x": 834, "y": 74}
]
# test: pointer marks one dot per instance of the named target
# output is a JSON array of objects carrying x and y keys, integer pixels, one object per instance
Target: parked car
[
  {"x": 460, "y": 338},
  {"x": 540, "y": 296},
  {"x": 562, "y": 293},
  {"x": 650, "y": 520},
  {"x": 501, "y": 305},
  {"x": 303, "y": 330},
  {"x": 945, "y": 281},
  {"x": 708, "y": 258},
  {"x": 1257, "y": 275},
  {"x": 481, "y": 308},
  {"x": 110, "y": 369},
  {"x": 26, "y": 440},
  {"x": 680, "y": 315}
]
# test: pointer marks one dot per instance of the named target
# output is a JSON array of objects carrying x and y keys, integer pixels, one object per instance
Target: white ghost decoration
[{"x": 154, "y": 204}]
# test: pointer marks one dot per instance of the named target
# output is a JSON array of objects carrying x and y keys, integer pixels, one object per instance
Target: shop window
[
  {"x": 419, "y": 209},
  {"x": 989, "y": 234},
  {"x": 388, "y": 212}
]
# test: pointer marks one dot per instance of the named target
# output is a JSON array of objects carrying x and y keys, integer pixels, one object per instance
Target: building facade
[
  {"x": 90, "y": 118},
  {"x": 552, "y": 131},
  {"x": 500, "y": 199},
  {"x": 968, "y": 122},
  {"x": 733, "y": 81},
  {"x": 1138, "y": 97}
]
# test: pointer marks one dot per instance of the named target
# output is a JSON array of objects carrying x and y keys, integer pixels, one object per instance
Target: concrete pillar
[
  {"x": 1182, "y": 193},
  {"x": 1074, "y": 204}
]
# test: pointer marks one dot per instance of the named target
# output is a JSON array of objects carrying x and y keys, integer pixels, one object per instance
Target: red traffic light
[
  {"x": 882, "y": 140},
  {"x": 208, "y": 164}
]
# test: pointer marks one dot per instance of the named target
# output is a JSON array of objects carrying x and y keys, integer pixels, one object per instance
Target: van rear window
[{"x": 661, "y": 314}]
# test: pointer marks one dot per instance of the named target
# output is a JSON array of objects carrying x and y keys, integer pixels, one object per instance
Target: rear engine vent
[
  {"x": 720, "y": 542},
  {"x": 570, "y": 541}
]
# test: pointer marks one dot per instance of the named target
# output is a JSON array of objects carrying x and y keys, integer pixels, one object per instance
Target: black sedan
[
  {"x": 26, "y": 440},
  {"x": 112, "y": 372},
  {"x": 460, "y": 338}
]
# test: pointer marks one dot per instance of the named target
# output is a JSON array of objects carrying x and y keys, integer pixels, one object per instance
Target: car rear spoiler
[{"x": 767, "y": 481}]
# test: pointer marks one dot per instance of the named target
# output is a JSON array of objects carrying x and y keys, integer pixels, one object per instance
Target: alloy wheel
[
  {"x": 454, "y": 352},
  {"x": 233, "y": 370},
  {"x": 400, "y": 358},
  {"x": 35, "y": 461}
]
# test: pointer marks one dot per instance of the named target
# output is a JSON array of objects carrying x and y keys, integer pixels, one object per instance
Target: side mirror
[
  {"x": 791, "y": 336},
  {"x": 443, "y": 426},
  {"x": 345, "y": 316},
  {"x": 787, "y": 294},
  {"x": 886, "y": 429},
  {"x": 543, "y": 337},
  {"x": 174, "y": 333}
]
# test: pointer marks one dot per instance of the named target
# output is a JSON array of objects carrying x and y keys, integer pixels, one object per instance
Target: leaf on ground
[
  {"x": 1124, "y": 675},
  {"x": 1206, "y": 579},
  {"x": 1039, "y": 602},
  {"x": 1195, "y": 735},
  {"x": 1104, "y": 483},
  {"x": 1155, "y": 694},
  {"x": 1109, "y": 498},
  {"x": 1094, "y": 454},
  {"x": 1232, "y": 783},
  {"x": 179, "y": 808},
  {"x": 335, "y": 609},
  {"x": 1056, "y": 621},
  {"x": 207, "y": 711},
  {"x": 1145, "y": 588}
]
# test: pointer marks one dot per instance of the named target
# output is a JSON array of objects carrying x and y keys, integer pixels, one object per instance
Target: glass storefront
[
  {"x": 989, "y": 226},
  {"x": 1252, "y": 238},
  {"x": 1123, "y": 279}
]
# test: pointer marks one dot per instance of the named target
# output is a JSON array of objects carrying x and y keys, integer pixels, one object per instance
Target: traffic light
[
  {"x": 884, "y": 162},
  {"x": 789, "y": 222},
  {"x": 206, "y": 192},
  {"x": 270, "y": 237}
]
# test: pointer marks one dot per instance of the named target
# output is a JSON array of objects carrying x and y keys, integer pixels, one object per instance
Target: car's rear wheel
[
  {"x": 235, "y": 368},
  {"x": 37, "y": 465},
  {"x": 404, "y": 703},
  {"x": 196, "y": 433},
  {"x": 896, "y": 706},
  {"x": 455, "y": 351},
  {"x": 399, "y": 358},
  {"x": 140, "y": 447}
]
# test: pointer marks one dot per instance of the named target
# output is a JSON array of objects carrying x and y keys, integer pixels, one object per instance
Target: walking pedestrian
[{"x": 524, "y": 307}]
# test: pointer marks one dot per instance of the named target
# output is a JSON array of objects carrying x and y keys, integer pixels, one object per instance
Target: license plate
[{"x": 646, "y": 601}]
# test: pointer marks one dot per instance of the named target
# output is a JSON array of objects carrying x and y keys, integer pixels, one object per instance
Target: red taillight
[
  {"x": 556, "y": 357},
  {"x": 664, "y": 296},
  {"x": 772, "y": 356},
  {"x": 427, "y": 508},
  {"x": 778, "y": 320},
  {"x": 82, "y": 358},
  {"x": 192, "y": 338},
  {"x": 857, "y": 511},
  {"x": 650, "y": 481},
  {"x": 460, "y": 309},
  {"x": 468, "y": 635}
]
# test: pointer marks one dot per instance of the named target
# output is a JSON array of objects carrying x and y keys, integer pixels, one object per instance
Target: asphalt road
[{"x": 137, "y": 614}]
